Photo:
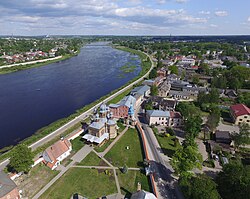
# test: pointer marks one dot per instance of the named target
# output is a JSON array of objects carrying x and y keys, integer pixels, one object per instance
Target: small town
[
  {"x": 125, "y": 99},
  {"x": 184, "y": 119}
]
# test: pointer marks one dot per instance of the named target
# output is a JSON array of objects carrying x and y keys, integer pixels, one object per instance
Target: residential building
[
  {"x": 188, "y": 61},
  {"x": 120, "y": 110},
  {"x": 223, "y": 137},
  {"x": 163, "y": 104},
  {"x": 164, "y": 89},
  {"x": 140, "y": 92},
  {"x": 240, "y": 113},
  {"x": 54, "y": 154},
  {"x": 8, "y": 189},
  {"x": 164, "y": 118},
  {"x": 162, "y": 72}
]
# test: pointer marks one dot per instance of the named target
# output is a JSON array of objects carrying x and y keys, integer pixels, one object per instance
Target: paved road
[
  {"x": 80, "y": 117},
  {"x": 166, "y": 185}
]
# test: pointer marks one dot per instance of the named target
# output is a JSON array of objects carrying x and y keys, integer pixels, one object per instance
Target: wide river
[{"x": 33, "y": 98}]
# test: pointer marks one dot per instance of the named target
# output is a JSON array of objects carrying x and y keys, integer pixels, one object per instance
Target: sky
[{"x": 124, "y": 17}]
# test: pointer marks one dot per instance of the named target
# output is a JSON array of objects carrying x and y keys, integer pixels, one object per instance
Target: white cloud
[
  {"x": 221, "y": 13},
  {"x": 181, "y": 1},
  {"x": 213, "y": 25},
  {"x": 204, "y": 12},
  {"x": 248, "y": 19}
]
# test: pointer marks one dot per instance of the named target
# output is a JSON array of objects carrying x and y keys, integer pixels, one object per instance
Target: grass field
[
  {"x": 90, "y": 183},
  {"x": 128, "y": 182},
  {"x": 167, "y": 144},
  {"x": 132, "y": 157},
  {"x": 92, "y": 160}
]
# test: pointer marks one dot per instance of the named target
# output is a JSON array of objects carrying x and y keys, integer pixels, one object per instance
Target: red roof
[
  {"x": 240, "y": 109},
  {"x": 174, "y": 114},
  {"x": 56, "y": 150}
]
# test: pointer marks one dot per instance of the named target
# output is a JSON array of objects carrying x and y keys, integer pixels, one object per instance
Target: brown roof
[
  {"x": 240, "y": 109},
  {"x": 57, "y": 149},
  {"x": 174, "y": 114}
]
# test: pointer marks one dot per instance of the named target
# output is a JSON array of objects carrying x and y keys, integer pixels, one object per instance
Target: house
[
  {"x": 240, "y": 113},
  {"x": 102, "y": 128},
  {"x": 173, "y": 77},
  {"x": 231, "y": 93},
  {"x": 175, "y": 119},
  {"x": 162, "y": 72},
  {"x": 158, "y": 117},
  {"x": 163, "y": 104},
  {"x": 120, "y": 110},
  {"x": 223, "y": 137},
  {"x": 148, "y": 82},
  {"x": 187, "y": 61},
  {"x": 180, "y": 95},
  {"x": 8, "y": 189},
  {"x": 164, "y": 89},
  {"x": 164, "y": 118},
  {"x": 54, "y": 154},
  {"x": 139, "y": 92},
  {"x": 167, "y": 105}
]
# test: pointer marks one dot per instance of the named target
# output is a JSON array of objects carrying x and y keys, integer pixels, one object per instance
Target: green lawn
[
  {"x": 128, "y": 182},
  {"x": 90, "y": 183},
  {"x": 167, "y": 144},
  {"x": 92, "y": 160},
  {"x": 77, "y": 144},
  {"x": 132, "y": 157},
  {"x": 121, "y": 126},
  {"x": 104, "y": 146}
]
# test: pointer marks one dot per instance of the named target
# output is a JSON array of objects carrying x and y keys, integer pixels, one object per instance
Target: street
[{"x": 166, "y": 185}]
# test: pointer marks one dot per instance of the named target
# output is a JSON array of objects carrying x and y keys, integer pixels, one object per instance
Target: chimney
[{"x": 138, "y": 186}]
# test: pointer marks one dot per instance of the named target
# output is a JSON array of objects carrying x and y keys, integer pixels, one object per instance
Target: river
[{"x": 33, "y": 98}]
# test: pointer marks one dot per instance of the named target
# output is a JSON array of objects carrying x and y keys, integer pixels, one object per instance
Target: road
[
  {"x": 166, "y": 185},
  {"x": 80, "y": 117}
]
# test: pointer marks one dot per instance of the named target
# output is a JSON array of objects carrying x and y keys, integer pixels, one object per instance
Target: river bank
[
  {"x": 145, "y": 66},
  {"x": 26, "y": 65}
]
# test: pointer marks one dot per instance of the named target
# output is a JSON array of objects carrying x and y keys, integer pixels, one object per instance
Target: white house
[{"x": 54, "y": 154}]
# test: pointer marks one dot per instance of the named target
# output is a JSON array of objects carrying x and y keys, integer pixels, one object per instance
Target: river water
[{"x": 33, "y": 98}]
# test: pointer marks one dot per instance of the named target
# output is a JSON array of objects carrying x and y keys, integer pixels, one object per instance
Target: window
[
  {"x": 245, "y": 116},
  {"x": 248, "y": 120},
  {"x": 240, "y": 119},
  {"x": 162, "y": 123}
]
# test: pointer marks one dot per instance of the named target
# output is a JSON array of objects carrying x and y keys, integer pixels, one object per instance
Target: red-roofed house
[
  {"x": 240, "y": 113},
  {"x": 54, "y": 154}
]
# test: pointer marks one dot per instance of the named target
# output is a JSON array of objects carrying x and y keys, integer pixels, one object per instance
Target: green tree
[
  {"x": 195, "y": 79},
  {"x": 199, "y": 187},
  {"x": 21, "y": 158},
  {"x": 185, "y": 159},
  {"x": 243, "y": 137},
  {"x": 153, "y": 73},
  {"x": 154, "y": 90},
  {"x": 187, "y": 109},
  {"x": 173, "y": 69},
  {"x": 234, "y": 181},
  {"x": 192, "y": 126},
  {"x": 214, "y": 96},
  {"x": 213, "y": 118},
  {"x": 148, "y": 106}
]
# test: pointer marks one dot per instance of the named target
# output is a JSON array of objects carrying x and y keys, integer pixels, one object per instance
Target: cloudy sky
[{"x": 124, "y": 17}]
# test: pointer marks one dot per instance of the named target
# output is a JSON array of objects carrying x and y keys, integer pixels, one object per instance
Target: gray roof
[
  {"x": 141, "y": 89},
  {"x": 127, "y": 100},
  {"x": 111, "y": 122},
  {"x": 6, "y": 184},
  {"x": 96, "y": 125},
  {"x": 114, "y": 105},
  {"x": 158, "y": 113}
]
